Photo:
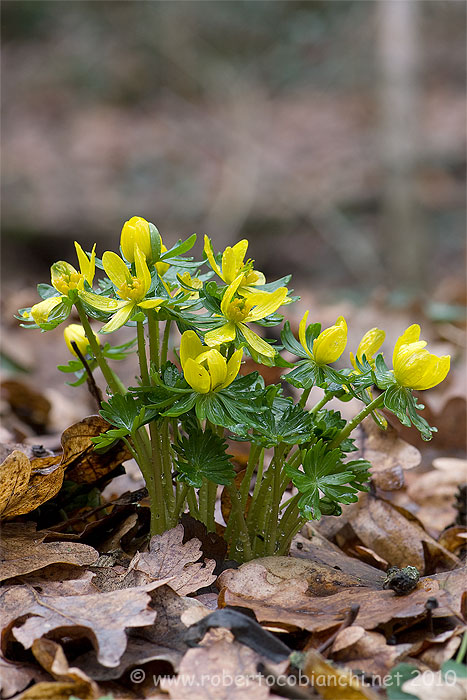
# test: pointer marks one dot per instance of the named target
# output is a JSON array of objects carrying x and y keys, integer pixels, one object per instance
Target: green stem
[
  {"x": 153, "y": 330},
  {"x": 255, "y": 452},
  {"x": 245, "y": 550},
  {"x": 271, "y": 535},
  {"x": 462, "y": 649},
  {"x": 165, "y": 343},
  {"x": 179, "y": 503},
  {"x": 327, "y": 397},
  {"x": 304, "y": 397},
  {"x": 143, "y": 363},
  {"x": 153, "y": 482},
  {"x": 203, "y": 501},
  {"x": 192, "y": 504},
  {"x": 286, "y": 537},
  {"x": 345, "y": 432},
  {"x": 114, "y": 383},
  {"x": 167, "y": 465},
  {"x": 210, "y": 506}
]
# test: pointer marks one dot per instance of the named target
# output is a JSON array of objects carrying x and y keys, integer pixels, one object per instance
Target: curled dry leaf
[
  {"x": 14, "y": 677},
  {"x": 367, "y": 651},
  {"x": 389, "y": 456},
  {"x": 167, "y": 556},
  {"x": 432, "y": 686},
  {"x": 25, "y": 485},
  {"x": 22, "y": 551},
  {"x": 220, "y": 668},
  {"x": 69, "y": 680},
  {"x": 395, "y": 535},
  {"x": 435, "y": 492},
  {"x": 102, "y": 617},
  {"x": 334, "y": 683},
  {"x": 290, "y": 602},
  {"x": 82, "y": 463}
]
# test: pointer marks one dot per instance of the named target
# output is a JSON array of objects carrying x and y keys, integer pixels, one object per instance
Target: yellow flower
[
  {"x": 329, "y": 345},
  {"x": 369, "y": 344},
  {"x": 237, "y": 312},
  {"x": 205, "y": 369},
  {"x": 131, "y": 290},
  {"x": 74, "y": 333},
  {"x": 233, "y": 265},
  {"x": 162, "y": 267},
  {"x": 137, "y": 232},
  {"x": 415, "y": 367},
  {"x": 65, "y": 277},
  {"x": 193, "y": 283}
]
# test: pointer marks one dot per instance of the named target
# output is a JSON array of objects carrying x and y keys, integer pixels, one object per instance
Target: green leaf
[
  {"x": 325, "y": 476},
  {"x": 183, "y": 405},
  {"x": 127, "y": 412},
  {"x": 179, "y": 248},
  {"x": 399, "y": 675},
  {"x": 46, "y": 291},
  {"x": 203, "y": 455},
  {"x": 282, "y": 423},
  {"x": 384, "y": 378},
  {"x": 106, "y": 440},
  {"x": 290, "y": 342},
  {"x": 305, "y": 375}
]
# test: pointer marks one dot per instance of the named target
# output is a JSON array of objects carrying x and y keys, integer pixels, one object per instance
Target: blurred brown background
[{"x": 331, "y": 134}]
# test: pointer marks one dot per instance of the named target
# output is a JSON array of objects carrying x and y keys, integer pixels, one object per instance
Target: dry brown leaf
[
  {"x": 322, "y": 580},
  {"x": 454, "y": 539},
  {"x": 389, "y": 456},
  {"x": 30, "y": 406},
  {"x": 333, "y": 560},
  {"x": 432, "y": 686},
  {"x": 454, "y": 585},
  {"x": 69, "y": 681},
  {"x": 290, "y": 601},
  {"x": 167, "y": 556},
  {"x": 395, "y": 535},
  {"x": 22, "y": 551},
  {"x": 334, "y": 683},
  {"x": 83, "y": 464},
  {"x": 102, "y": 617},
  {"x": 435, "y": 492},
  {"x": 14, "y": 677},
  {"x": 367, "y": 651},
  {"x": 220, "y": 668},
  {"x": 437, "y": 654}
]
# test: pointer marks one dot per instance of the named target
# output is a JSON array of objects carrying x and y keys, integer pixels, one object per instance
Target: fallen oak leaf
[
  {"x": 388, "y": 454},
  {"x": 167, "y": 556},
  {"x": 82, "y": 463},
  {"x": 367, "y": 651},
  {"x": 22, "y": 551},
  {"x": 102, "y": 617},
  {"x": 69, "y": 681},
  {"x": 290, "y": 601},
  {"x": 15, "y": 677}
]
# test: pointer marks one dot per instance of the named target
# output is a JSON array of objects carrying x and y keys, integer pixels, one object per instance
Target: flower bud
[{"x": 74, "y": 333}]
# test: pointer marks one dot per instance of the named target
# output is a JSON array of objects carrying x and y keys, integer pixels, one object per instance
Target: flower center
[
  {"x": 67, "y": 281},
  {"x": 238, "y": 310},
  {"x": 133, "y": 290}
]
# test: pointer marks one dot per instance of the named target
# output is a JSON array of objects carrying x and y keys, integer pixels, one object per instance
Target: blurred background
[{"x": 331, "y": 134}]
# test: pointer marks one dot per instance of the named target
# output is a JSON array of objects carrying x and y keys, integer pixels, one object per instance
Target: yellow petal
[
  {"x": 217, "y": 367},
  {"x": 190, "y": 346},
  {"x": 115, "y": 269},
  {"x": 101, "y": 303},
  {"x": 232, "y": 260},
  {"x": 65, "y": 277},
  {"x": 74, "y": 333},
  {"x": 370, "y": 343},
  {"x": 142, "y": 270},
  {"x": 302, "y": 333},
  {"x": 229, "y": 294},
  {"x": 224, "y": 334},
  {"x": 233, "y": 367},
  {"x": 410, "y": 335},
  {"x": 87, "y": 265},
  {"x": 268, "y": 305},
  {"x": 135, "y": 232},
  {"x": 119, "y": 319},
  {"x": 210, "y": 256},
  {"x": 40, "y": 312},
  {"x": 151, "y": 303},
  {"x": 256, "y": 342},
  {"x": 197, "y": 377},
  {"x": 437, "y": 373},
  {"x": 330, "y": 344}
]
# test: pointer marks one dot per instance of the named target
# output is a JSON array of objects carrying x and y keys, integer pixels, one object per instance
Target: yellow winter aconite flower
[
  {"x": 205, "y": 369},
  {"x": 193, "y": 283},
  {"x": 131, "y": 290},
  {"x": 135, "y": 231},
  {"x": 74, "y": 333},
  {"x": 162, "y": 267},
  {"x": 233, "y": 264},
  {"x": 368, "y": 346},
  {"x": 64, "y": 278},
  {"x": 239, "y": 311},
  {"x": 329, "y": 345},
  {"x": 415, "y": 367}
]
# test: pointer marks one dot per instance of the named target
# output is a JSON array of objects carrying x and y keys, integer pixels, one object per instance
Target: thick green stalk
[
  {"x": 193, "y": 504},
  {"x": 271, "y": 534},
  {"x": 165, "y": 343},
  {"x": 167, "y": 465},
  {"x": 153, "y": 330},
  {"x": 241, "y": 548},
  {"x": 304, "y": 397},
  {"x": 327, "y": 397},
  {"x": 143, "y": 363},
  {"x": 114, "y": 383},
  {"x": 153, "y": 482},
  {"x": 203, "y": 501},
  {"x": 255, "y": 451},
  {"x": 210, "y": 506},
  {"x": 351, "y": 425},
  {"x": 179, "y": 503}
]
